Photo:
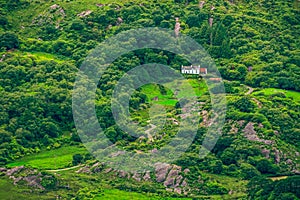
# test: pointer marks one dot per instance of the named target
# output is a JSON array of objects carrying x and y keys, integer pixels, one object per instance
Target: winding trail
[
  {"x": 64, "y": 169},
  {"x": 148, "y": 132},
  {"x": 250, "y": 90}
]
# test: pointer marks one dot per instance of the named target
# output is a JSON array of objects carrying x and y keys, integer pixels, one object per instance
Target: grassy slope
[
  {"x": 53, "y": 159},
  {"x": 169, "y": 99},
  {"x": 269, "y": 91},
  {"x": 24, "y": 17}
]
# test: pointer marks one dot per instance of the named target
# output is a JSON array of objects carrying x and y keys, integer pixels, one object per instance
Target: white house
[{"x": 193, "y": 70}]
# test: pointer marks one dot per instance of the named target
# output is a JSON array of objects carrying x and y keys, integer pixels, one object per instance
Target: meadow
[{"x": 50, "y": 159}]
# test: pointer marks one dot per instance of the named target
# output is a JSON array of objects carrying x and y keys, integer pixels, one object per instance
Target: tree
[
  {"x": 77, "y": 159},
  {"x": 77, "y": 25},
  {"x": 245, "y": 104},
  {"x": 9, "y": 40},
  {"x": 249, "y": 171},
  {"x": 3, "y": 21},
  {"x": 49, "y": 182},
  {"x": 228, "y": 157},
  {"x": 193, "y": 21},
  {"x": 259, "y": 186},
  {"x": 216, "y": 167},
  {"x": 265, "y": 166}
]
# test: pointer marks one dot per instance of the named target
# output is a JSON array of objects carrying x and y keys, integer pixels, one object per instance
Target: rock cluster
[
  {"x": 171, "y": 176},
  {"x": 31, "y": 177}
]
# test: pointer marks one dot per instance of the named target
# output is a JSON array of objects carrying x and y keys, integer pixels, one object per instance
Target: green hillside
[{"x": 255, "y": 45}]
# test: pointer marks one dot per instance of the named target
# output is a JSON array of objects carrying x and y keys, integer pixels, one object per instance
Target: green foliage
[
  {"x": 260, "y": 187},
  {"x": 36, "y": 83},
  {"x": 245, "y": 104},
  {"x": 77, "y": 159},
  {"x": 215, "y": 188},
  {"x": 49, "y": 182},
  {"x": 265, "y": 166},
  {"x": 9, "y": 40},
  {"x": 249, "y": 171}
]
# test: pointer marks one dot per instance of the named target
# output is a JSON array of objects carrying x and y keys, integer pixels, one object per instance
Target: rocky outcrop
[
  {"x": 161, "y": 170},
  {"x": 147, "y": 176},
  {"x": 171, "y": 176},
  {"x": 12, "y": 171},
  {"x": 31, "y": 177},
  {"x": 201, "y": 4},
  {"x": 53, "y": 15},
  {"x": 266, "y": 153},
  {"x": 251, "y": 134},
  {"x": 177, "y": 27},
  {"x": 85, "y": 13},
  {"x": 85, "y": 169}
]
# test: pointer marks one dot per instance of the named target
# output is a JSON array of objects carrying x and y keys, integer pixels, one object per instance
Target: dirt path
[
  {"x": 276, "y": 178},
  {"x": 148, "y": 132},
  {"x": 250, "y": 90},
  {"x": 258, "y": 103},
  {"x": 64, "y": 169}
]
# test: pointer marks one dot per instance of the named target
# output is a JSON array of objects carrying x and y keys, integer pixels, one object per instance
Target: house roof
[
  {"x": 203, "y": 69},
  {"x": 190, "y": 67}
]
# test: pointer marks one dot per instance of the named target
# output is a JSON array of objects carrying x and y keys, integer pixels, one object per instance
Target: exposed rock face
[
  {"x": 184, "y": 183},
  {"x": 117, "y": 153},
  {"x": 177, "y": 27},
  {"x": 108, "y": 170},
  {"x": 249, "y": 129},
  {"x": 277, "y": 156},
  {"x": 186, "y": 171},
  {"x": 123, "y": 174},
  {"x": 85, "y": 169},
  {"x": 14, "y": 170},
  {"x": 211, "y": 21},
  {"x": 54, "y": 15},
  {"x": 241, "y": 123},
  {"x": 171, "y": 176},
  {"x": 84, "y": 13},
  {"x": 54, "y": 7},
  {"x": 169, "y": 182},
  {"x": 31, "y": 177},
  {"x": 161, "y": 170},
  {"x": 289, "y": 162},
  {"x": 147, "y": 176},
  {"x": 178, "y": 180},
  {"x": 266, "y": 153},
  {"x": 177, "y": 190},
  {"x": 251, "y": 134},
  {"x": 201, "y": 4},
  {"x": 137, "y": 176},
  {"x": 34, "y": 181},
  {"x": 119, "y": 21}
]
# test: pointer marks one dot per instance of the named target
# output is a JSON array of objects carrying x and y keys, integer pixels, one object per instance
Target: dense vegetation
[{"x": 255, "y": 45}]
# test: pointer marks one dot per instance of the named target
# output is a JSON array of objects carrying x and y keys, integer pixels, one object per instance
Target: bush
[
  {"x": 215, "y": 188},
  {"x": 77, "y": 159},
  {"x": 49, "y": 182},
  {"x": 265, "y": 166},
  {"x": 249, "y": 171},
  {"x": 245, "y": 104},
  {"x": 9, "y": 41}
]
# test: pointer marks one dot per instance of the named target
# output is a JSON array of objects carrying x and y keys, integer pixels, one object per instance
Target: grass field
[
  {"x": 291, "y": 94},
  {"x": 52, "y": 159},
  {"x": 115, "y": 194},
  {"x": 169, "y": 99}
]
